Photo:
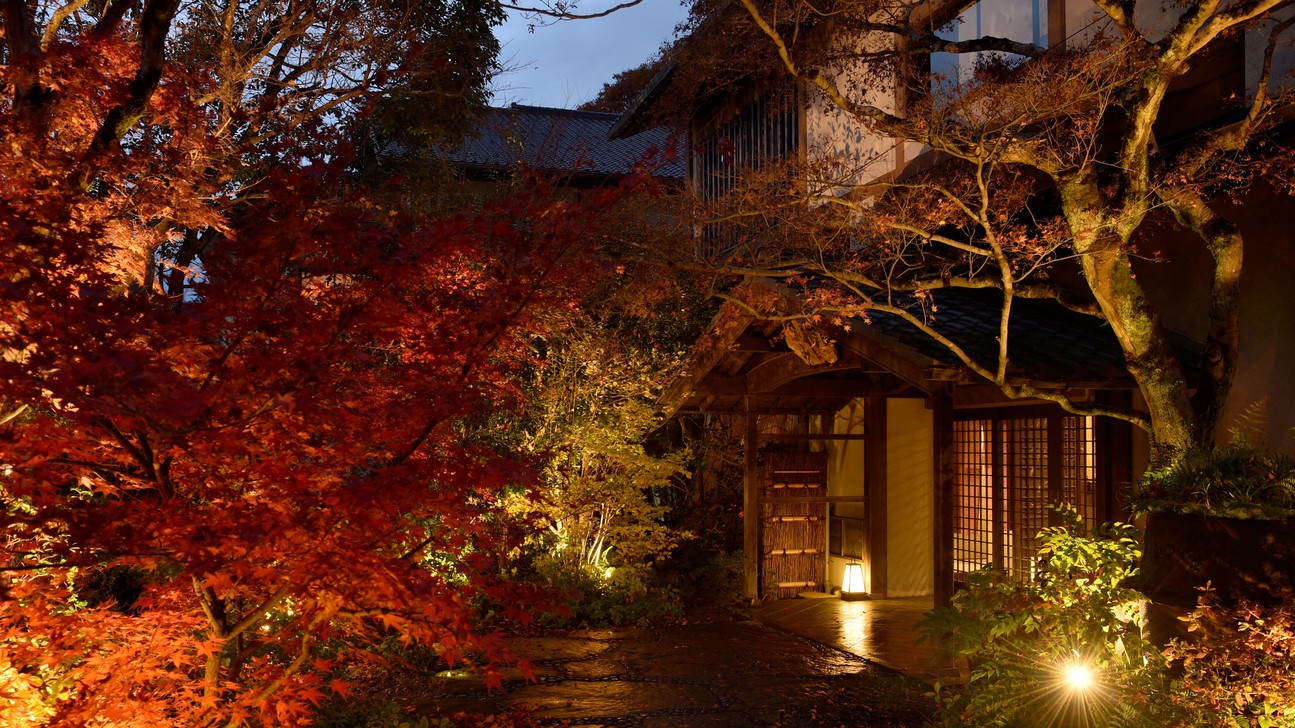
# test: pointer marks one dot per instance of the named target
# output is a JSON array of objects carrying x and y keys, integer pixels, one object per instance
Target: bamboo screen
[{"x": 794, "y": 534}]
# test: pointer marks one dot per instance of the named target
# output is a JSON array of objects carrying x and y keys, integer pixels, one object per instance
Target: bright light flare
[{"x": 1078, "y": 677}]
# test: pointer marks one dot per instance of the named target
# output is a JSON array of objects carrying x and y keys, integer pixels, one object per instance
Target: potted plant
[{"x": 1222, "y": 517}]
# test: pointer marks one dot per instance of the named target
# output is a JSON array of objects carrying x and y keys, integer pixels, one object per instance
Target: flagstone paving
[{"x": 719, "y": 668}]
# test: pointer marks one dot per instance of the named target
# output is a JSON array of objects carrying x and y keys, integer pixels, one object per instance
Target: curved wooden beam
[{"x": 780, "y": 369}]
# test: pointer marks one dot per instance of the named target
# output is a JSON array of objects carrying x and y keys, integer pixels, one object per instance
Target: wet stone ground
[{"x": 717, "y": 668}]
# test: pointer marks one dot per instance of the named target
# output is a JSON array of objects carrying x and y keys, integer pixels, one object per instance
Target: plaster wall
[
  {"x": 1082, "y": 20},
  {"x": 839, "y": 147},
  {"x": 910, "y": 498},
  {"x": 1020, "y": 20}
]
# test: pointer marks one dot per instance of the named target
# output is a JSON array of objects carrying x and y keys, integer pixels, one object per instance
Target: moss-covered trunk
[{"x": 1101, "y": 240}]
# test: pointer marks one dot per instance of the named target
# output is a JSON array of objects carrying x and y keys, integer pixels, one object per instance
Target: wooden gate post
[
  {"x": 942, "y": 421},
  {"x": 751, "y": 504},
  {"x": 875, "y": 486}
]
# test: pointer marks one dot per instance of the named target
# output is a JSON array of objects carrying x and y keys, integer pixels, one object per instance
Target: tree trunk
[{"x": 1148, "y": 353}]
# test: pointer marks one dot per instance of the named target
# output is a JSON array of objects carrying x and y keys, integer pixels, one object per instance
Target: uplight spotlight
[{"x": 1078, "y": 677}]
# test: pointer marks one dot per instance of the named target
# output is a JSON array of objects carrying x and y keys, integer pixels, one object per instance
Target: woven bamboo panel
[
  {"x": 792, "y": 469},
  {"x": 794, "y": 534}
]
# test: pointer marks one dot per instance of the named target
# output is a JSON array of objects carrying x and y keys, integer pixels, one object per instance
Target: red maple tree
[{"x": 216, "y": 493}]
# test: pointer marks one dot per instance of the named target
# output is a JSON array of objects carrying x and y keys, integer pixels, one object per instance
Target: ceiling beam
[
  {"x": 802, "y": 436},
  {"x": 843, "y": 388},
  {"x": 777, "y": 371}
]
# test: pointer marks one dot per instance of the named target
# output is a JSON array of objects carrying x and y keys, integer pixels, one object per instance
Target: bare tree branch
[
  {"x": 1121, "y": 12},
  {"x": 562, "y": 11},
  {"x": 887, "y": 121},
  {"x": 1223, "y": 337},
  {"x": 935, "y": 44},
  {"x": 56, "y": 22},
  {"x": 112, "y": 17},
  {"x": 154, "y": 25},
  {"x": 1234, "y": 137}
]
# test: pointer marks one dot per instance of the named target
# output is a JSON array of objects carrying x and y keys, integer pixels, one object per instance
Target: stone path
[
  {"x": 716, "y": 669},
  {"x": 881, "y": 630}
]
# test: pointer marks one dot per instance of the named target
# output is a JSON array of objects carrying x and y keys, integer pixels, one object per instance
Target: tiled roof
[
  {"x": 1046, "y": 340},
  {"x": 564, "y": 141}
]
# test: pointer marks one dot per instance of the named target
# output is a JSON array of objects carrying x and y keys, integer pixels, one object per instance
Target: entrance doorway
[{"x": 794, "y": 522}]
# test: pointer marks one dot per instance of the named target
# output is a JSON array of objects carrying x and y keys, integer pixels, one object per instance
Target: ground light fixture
[
  {"x": 852, "y": 588},
  {"x": 1078, "y": 676}
]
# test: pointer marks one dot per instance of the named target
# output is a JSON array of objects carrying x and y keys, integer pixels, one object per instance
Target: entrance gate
[{"x": 794, "y": 522}]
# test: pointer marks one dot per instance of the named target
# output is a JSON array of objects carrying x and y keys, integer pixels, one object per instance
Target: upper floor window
[
  {"x": 762, "y": 132},
  {"x": 759, "y": 135},
  {"x": 1025, "y": 21}
]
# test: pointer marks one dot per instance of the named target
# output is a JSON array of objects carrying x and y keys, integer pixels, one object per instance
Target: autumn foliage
[{"x": 216, "y": 494}]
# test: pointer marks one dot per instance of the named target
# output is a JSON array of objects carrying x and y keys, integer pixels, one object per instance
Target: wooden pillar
[
  {"x": 875, "y": 485},
  {"x": 1056, "y": 439},
  {"x": 1114, "y": 460},
  {"x": 943, "y": 449},
  {"x": 751, "y": 504},
  {"x": 827, "y": 426},
  {"x": 1056, "y": 24}
]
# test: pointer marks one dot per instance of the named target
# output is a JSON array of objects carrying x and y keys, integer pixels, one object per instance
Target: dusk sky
[{"x": 565, "y": 64}]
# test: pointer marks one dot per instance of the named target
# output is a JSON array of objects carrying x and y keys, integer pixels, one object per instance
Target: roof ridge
[{"x": 551, "y": 111}]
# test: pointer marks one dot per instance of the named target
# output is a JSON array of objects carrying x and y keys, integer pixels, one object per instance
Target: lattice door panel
[
  {"x": 1004, "y": 489},
  {"x": 794, "y": 534}
]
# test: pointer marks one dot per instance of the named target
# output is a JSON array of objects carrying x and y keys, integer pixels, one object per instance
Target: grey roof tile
[
  {"x": 565, "y": 141},
  {"x": 1046, "y": 340}
]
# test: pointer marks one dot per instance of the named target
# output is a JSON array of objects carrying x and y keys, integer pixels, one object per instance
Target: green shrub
[
  {"x": 1022, "y": 640},
  {"x": 711, "y": 577},
  {"x": 615, "y": 596}
]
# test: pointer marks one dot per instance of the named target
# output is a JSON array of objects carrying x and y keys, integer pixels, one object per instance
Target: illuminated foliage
[
  {"x": 232, "y": 391},
  {"x": 1236, "y": 666},
  {"x": 1066, "y": 648}
]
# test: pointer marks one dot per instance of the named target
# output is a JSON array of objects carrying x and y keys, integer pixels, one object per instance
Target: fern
[{"x": 1250, "y": 428}]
